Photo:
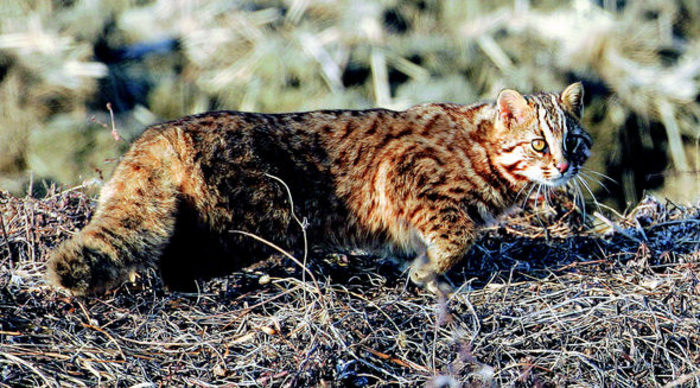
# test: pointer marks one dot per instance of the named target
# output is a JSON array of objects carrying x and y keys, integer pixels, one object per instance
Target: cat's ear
[
  {"x": 512, "y": 106},
  {"x": 572, "y": 99}
]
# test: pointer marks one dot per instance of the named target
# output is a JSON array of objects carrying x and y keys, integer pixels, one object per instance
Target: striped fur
[{"x": 417, "y": 181}]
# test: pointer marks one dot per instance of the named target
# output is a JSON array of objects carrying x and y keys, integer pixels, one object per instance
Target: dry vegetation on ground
[{"x": 617, "y": 304}]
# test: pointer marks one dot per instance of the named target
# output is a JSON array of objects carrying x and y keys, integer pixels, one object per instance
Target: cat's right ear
[
  {"x": 512, "y": 106},
  {"x": 572, "y": 99}
]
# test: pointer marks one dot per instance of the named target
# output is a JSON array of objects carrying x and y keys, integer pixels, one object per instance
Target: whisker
[
  {"x": 582, "y": 199},
  {"x": 570, "y": 188},
  {"x": 595, "y": 180},
  {"x": 546, "y": 197},
  {"x": 595, "y": 201},
  {"x": 521, "y": 191},
  {"x": 537, "y": 197},
  {"x": 532, "y": 187},
  {"x": 600, "y": 174}
]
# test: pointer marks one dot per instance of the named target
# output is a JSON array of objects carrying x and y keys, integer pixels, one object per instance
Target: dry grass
[{"x": 562, "y": 305}]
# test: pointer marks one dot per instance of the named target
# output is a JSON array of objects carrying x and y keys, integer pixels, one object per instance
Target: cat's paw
[
  {"x": 422, "y": 272},
  {"x": 439, "y": 287}
]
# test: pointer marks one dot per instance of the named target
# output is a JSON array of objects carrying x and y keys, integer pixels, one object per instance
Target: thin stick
[
  {"x": 303, "y": 225},
  {"x": 7, "y": 240},
  {"x": 115, "y": 133},
  {"x": 113, "y": 128},
  {"x": 398, "y": 361},
  {"x": 287, "y": 254}
]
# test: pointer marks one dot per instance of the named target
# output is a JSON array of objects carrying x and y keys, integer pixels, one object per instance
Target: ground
[{"x": 541, "y": 300}]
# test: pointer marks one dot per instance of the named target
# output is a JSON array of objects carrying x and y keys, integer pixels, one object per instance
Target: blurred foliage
[{"x": 61, "y": 62}]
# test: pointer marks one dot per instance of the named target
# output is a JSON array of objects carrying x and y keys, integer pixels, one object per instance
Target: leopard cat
[{"x": 419, "y": 181}]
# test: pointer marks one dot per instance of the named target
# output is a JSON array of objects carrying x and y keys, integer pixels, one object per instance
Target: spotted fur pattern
[{"x": 423, "y": 179}]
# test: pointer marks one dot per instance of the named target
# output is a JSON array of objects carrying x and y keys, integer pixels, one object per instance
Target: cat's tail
[{"x": 134, "y": 222}]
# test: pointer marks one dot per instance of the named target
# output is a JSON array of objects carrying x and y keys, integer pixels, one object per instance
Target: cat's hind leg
[{"x": 132, "y": 225}]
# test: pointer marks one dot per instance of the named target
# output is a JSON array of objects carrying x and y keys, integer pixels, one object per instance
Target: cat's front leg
[{"x": 446, "y": 233}]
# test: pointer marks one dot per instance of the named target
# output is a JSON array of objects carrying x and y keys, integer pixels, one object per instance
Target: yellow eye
[{"x": 538, "y": 145}]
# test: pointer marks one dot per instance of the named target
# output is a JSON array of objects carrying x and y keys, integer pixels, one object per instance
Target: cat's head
[{"x": 540, "y": 136}]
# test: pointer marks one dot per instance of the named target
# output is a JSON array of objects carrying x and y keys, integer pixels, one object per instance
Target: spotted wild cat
[{"x": 421, "y": 179}]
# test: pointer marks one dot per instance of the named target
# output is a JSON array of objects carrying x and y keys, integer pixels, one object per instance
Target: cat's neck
[
  {"x": 479, "y": 124},
  {"x": 480, "y": 113}
]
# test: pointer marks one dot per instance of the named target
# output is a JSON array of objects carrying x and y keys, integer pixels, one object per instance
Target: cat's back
[{"x": 304, "y": 131}]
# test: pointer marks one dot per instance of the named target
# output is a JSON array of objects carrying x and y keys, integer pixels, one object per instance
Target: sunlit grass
[{"x": 639, "y": 64}]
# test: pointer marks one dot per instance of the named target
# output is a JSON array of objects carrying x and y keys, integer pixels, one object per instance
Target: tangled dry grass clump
[{"x": 541, "y": 300}]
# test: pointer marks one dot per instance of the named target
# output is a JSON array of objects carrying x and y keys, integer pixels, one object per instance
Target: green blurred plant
[{"x": 639, "y": 63}]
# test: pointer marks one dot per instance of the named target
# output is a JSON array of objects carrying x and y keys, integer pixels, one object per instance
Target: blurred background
[{"x": 62, "y": 62}]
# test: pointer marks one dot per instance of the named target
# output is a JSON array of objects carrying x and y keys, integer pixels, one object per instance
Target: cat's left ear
[
  {"x": 512, "y": 105},
  {"x": 572, "y": 99}
]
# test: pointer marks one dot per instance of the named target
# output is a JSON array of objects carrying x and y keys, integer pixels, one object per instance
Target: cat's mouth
[{"x": 561, "y": 180}]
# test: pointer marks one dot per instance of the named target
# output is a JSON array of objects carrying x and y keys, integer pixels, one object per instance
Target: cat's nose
[{"x": 563, "y": 166}]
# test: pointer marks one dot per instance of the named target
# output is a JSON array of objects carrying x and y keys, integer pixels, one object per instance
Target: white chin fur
[
  {"x": 561, "y": 180},
  {"x": 558, "y": 181}
]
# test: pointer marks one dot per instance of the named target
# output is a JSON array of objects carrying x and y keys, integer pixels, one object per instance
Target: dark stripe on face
[
  {"x": 549, "y": 124},
  {"x": 502, "y": 184},
  {"x": 517, "y": 166},
  {"x": 552, "y": 114}
]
